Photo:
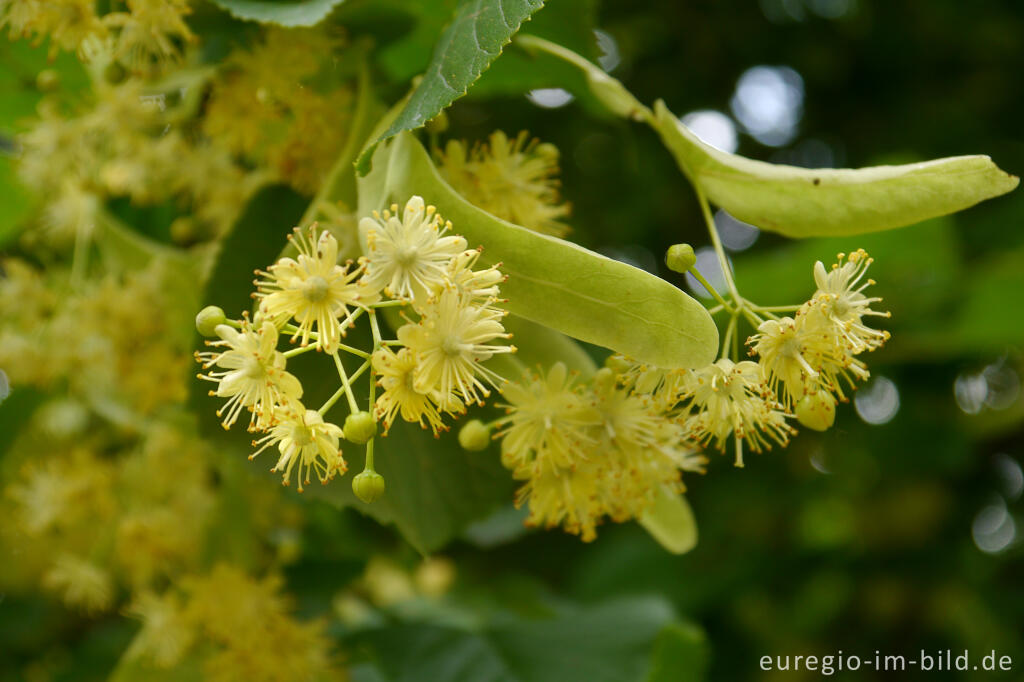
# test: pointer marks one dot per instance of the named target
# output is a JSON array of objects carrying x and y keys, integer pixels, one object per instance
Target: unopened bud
[
  {"x": 360, "y": 427},
  {"x": 368, "y": 486},
  {"x": 817, "y": 411},
  {"x": 208, "y": 319},
  {"x": 475, "y": 436},
  {"x": 114, "y": 73},
  {"x": 613, "y": 95},
  {"x": 47, "y": 80},
  {"x": 680, "y": 258}
]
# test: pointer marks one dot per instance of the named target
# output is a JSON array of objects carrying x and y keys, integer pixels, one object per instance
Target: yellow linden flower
[
  {"x": 408, "y": 257},
  {"x": 67, "y": 22},
  {"x": 478, "y": 286},
  {"x": 548, "y": 423},
  {"x": 81, "y": 583},
  {"x": 451, "y": 341},
  {"x": 512, "y": 179},
  {"x": 166, "y": 634},
  {"x": 306, "y": 440},
  {"x": 313, "y": 289},
  {"x": 253, "y": 375},
  {"x": 567, "y": 498},
  {"x": 400, "y": 396},
  {"x": 150, "y": 32},
  {"x": 729, "y": 399},
  {"x": 842, "y": 302},
  {"x": 792, "y": 353}
]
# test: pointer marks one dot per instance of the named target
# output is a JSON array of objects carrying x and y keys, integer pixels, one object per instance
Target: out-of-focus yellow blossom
[
  {"x": 265, "y": 107},
  {"x": 66, "y": 22},
  {"x": 589, "y": 453},
  {"x": 81, "y": 583},
  {"x": 515, "y": 179},
  {"x": 247, "y": 623},
  {"x": 166, "y": 634},
  {"x": 151, "y": 34},
  {"x": 312, "y": 288}
]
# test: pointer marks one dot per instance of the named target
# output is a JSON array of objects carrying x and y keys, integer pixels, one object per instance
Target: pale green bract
[
  {"x": 670, "y": 521},
  {"x": 554, "y": 282},
  {"x": 801, "y": 202}
]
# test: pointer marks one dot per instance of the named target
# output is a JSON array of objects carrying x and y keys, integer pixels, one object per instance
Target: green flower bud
[
  {"x": 114, "y": 73},
  {"x": 48, "y": 80},
  {"x": 817, "y": 411},
  {"x": 613, "y": 95},
  {"x": 680, "y": 258},
  {"x": 208, "y": 319},
  {"x": 475, "y": 436},
  {"x": 360, "y": 427},
  {"x": 368, "y": 486}
]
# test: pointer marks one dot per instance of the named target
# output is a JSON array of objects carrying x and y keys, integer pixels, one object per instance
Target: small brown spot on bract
[{"x": 817, "y": 181}]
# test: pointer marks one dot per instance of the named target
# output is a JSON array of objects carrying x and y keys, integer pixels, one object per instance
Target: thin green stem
[
  {"x": 730, "y": 332},
  {"x": 774, "y": 308},
  {"x": 717, "y": 309},
  {"x": 711, "y": 290},
  {"x": 299, "y": 350},
  {"x": 389, "y": 304},
  {"x": 345, "y": 383},
  {"x": 341, "y": 391},
  {"x": 709, "y": 220},
  {"x": 375, "y": 329},
  {"x": 354, "y": 351}
]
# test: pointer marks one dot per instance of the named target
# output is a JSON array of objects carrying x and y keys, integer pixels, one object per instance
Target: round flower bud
[
  {"x": 114, "y": 73},
  {"x": 368, "y": 486},
  {"x": 360, "y": 427},
  {"x": 817, "y": 411},
  {"x": 475, "y": 436},
  {"x": 680, "y": 258},
  {"x": 208, "y": 319},
  {"x": 48, "y": 80}
]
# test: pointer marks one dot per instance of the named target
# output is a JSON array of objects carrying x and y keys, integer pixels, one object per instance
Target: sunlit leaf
[
  {"x": 554, "y": 282},
  {"x": 475, "y": 38},
  {"x": 800, "y": 202}
]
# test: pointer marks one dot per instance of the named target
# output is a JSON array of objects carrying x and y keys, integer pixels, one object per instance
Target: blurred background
[{"x": 899, "y": 530}]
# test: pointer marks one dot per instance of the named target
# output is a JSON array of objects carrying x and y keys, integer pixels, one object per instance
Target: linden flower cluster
[
  {"x": 602, "y": 449},
  {"x": 514, "y": 179},
  {"x": 147, "y": 36},
  {"x": 452, "y": 325},
  {"x": 807, "y": 358},
  {"x": 589, "y": 451}
]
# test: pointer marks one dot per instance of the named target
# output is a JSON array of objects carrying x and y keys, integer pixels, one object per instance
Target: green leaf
[
  {"x": 553, "y": 282},
  {"x": 800, "y": 202},
  {"x": 475, "y": 38},
  {"x": 610, "y": 642},
  {"x": 680, "y": 653},
  {"x": 570, "y": 24},
  {"x": 670, "y": 521},
  {"x": 434, "y": 488},
  {"x": 15, "y": 203},
  {"x": 289, "y": 14}
]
